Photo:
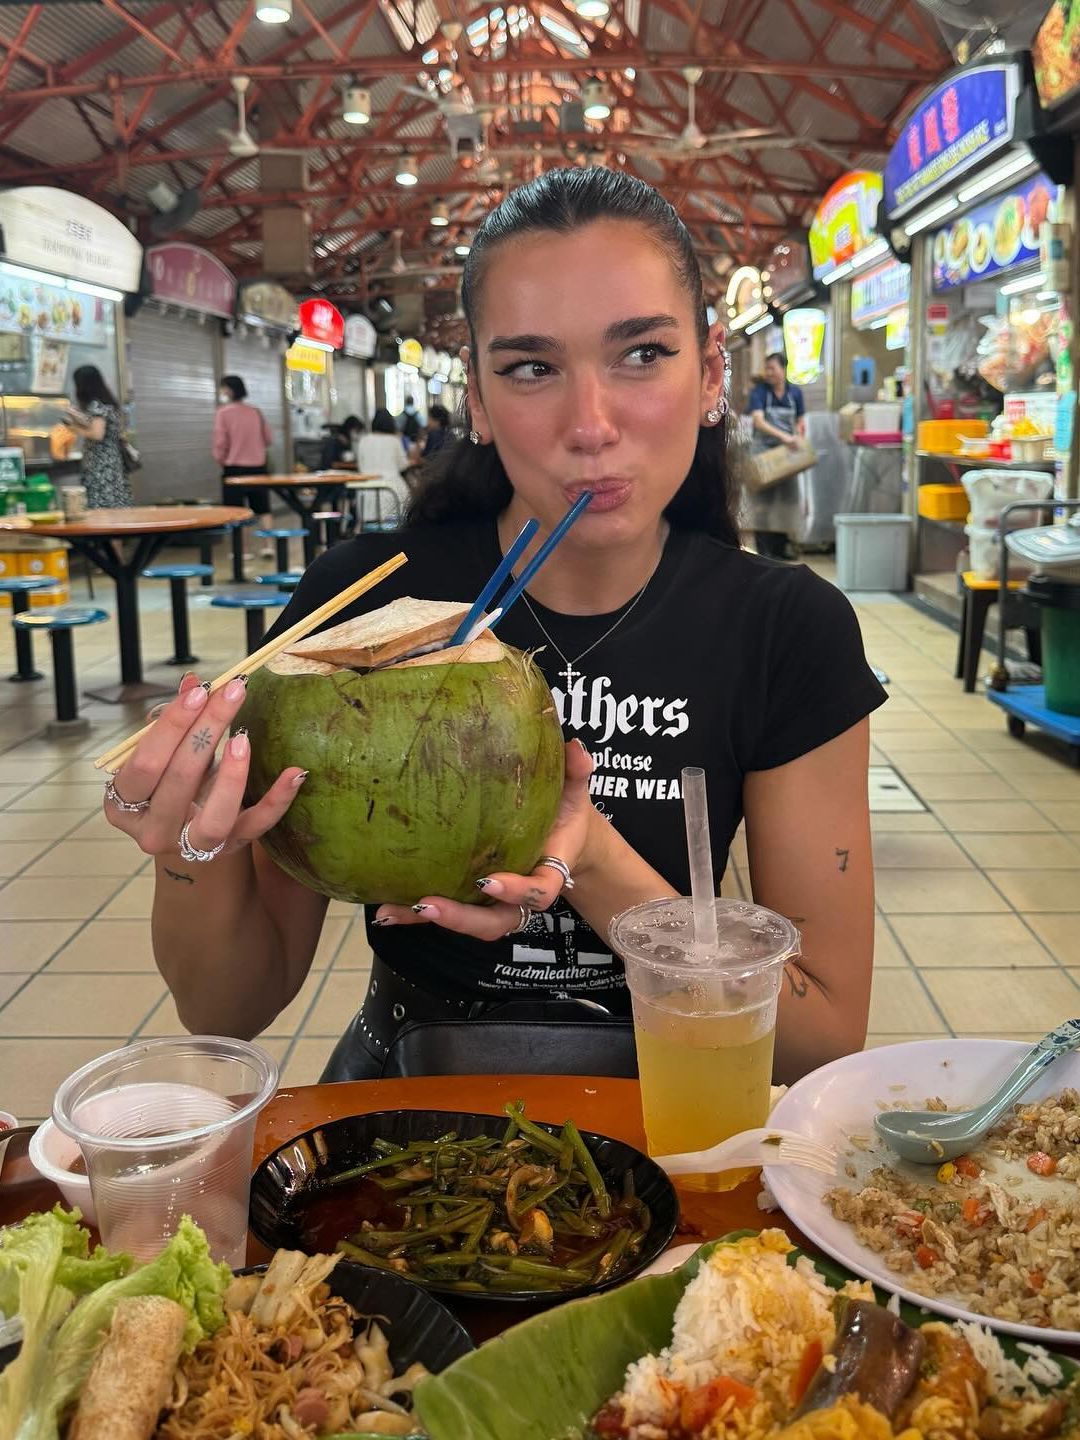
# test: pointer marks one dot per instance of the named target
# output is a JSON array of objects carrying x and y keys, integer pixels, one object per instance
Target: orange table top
[
  {"x": 299, "y": 480},
  {"x": 135, "y": 520},
  {"x": 606, "y": 1106}
]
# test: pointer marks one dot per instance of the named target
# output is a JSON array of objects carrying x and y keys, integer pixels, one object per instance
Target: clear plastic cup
[
  {"x": 167, "y": 1128},
  {"x": 704, "y": 1021}
]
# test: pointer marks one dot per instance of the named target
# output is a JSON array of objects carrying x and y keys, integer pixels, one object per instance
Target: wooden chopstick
[{"x": 271, "y": 649}]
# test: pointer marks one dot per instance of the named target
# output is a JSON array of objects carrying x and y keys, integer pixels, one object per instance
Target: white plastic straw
[{"x": 696, "y": 811}]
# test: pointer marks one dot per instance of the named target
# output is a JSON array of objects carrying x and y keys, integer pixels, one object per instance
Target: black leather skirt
[{"x": 393, "y": 1005}]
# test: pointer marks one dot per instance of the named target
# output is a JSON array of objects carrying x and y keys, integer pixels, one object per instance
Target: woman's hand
[
  {"x": 567, "y": 840},
  {"x": 172, "y": 768}
]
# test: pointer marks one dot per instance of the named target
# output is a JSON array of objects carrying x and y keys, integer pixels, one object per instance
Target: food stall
[
  {"x": 353, "y": 390},
  {"x": 67, "y": 265},
  {"x": 309, "y": 377},
  {"x": 255, "y": 348},
  {"x": 973, "y": 192},
  {"x": 790, "y": 289},
  {"x": 174, "y": 362},
  {"x": 878, "y": 316}
]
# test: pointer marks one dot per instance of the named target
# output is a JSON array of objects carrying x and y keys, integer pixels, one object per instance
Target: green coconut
[{"x": 422, "y": 776}]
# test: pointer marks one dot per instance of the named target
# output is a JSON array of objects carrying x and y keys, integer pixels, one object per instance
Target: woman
[
  {"x": 778, "y": 413},
  {"x": 437, "y": 433},
  {"x": 241, "y": 439},
  {"x": 97, "y": 420},
  {"x": 591, "y": 365},
  {"x": 382, "y": 453}
]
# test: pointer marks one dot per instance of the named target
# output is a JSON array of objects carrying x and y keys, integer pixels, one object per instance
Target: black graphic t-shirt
[{"x": 728, "y": 661}]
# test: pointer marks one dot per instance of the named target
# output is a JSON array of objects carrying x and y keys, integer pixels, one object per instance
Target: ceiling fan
[
  {"x": 457, "y": 100},
  {"x": 692, "y": 142},
  {"x": 242, "y": 144},
  {"x": 397, "y": 268}
]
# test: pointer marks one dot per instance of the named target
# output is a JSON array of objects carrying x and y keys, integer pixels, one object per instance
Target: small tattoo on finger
[{"x": 201, "y": 740}]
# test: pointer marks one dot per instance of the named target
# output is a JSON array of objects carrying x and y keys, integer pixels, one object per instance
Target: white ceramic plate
[{"x": 840, "y": 1100}]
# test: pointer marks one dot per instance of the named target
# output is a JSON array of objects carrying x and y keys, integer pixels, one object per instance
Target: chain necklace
[{"x": 568, "y": 673}]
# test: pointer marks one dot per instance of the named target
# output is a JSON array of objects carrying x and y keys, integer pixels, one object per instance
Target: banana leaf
[{"x": 547, "y": 1377}]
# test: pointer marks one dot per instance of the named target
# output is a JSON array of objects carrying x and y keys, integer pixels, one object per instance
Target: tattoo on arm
[
  {"x": 201, "y": 740},
  {"x": 800, "y": 980},
  {"x": 842, "y": 856},
  {"x": 176, "y": 875}
]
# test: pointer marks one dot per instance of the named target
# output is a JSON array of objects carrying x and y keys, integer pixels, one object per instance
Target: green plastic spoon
[{"x": 930, "y": 1137}]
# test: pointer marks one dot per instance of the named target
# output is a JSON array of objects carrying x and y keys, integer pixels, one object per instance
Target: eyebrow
[{"x": 629, "y": 329}]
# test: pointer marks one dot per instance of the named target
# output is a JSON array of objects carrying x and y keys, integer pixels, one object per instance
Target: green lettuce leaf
[{"x": 46, "y": 1258}]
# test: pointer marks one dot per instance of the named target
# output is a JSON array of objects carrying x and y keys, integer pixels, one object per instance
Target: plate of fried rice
[
  {"x": 751, "y": 1339},
  {"x": 993, "y": 1236}
]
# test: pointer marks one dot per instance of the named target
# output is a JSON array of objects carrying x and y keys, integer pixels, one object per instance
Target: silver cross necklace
[{"x": 568, "y": 673}]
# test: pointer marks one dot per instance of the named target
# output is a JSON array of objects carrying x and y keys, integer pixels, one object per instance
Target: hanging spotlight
[
  {"x": 274, "y": 12},
  {"x": 408, "y": 172},
  {"x": 596, "y": 99},
  {"x": 356, "y": 106},
  {"x": 592, "y": 9},
  {"x": 440, "y": 216}
]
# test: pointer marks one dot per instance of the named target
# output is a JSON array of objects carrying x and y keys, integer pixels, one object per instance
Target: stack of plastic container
[{"x": 988, "y": 492}]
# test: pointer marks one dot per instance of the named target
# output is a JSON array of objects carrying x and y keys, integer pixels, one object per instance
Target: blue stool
[
  {"x": 286, "y": 580},
  {"x": 238, "y": 548},
  {"x": 19, "y": 587},
  {"x": 281, "y": 536},
  {"x": 254, "y": 607},
  {"x": 178, "y": 576},
  {"x": 60, "y": 623}
]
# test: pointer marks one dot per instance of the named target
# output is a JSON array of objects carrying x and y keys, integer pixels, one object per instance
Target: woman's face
[{"x": 588, "y": 375}]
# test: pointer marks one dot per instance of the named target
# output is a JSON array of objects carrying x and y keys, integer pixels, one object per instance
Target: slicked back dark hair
[{"x": 469, "y": 481}]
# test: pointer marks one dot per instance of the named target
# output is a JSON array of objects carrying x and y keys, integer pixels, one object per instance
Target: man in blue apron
[{"x": 778, "y": 413}]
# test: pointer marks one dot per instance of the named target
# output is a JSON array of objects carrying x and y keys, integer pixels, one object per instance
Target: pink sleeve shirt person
[{"x": 241, "y": 436}]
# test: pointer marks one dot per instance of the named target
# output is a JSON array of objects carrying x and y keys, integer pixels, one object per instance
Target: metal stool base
[
  {"x": 18, "y": 679},
  {"x": 68, "y": 729}
]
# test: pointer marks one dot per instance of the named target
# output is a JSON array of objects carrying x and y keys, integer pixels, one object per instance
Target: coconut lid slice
[{"x": 385, "y": 634}]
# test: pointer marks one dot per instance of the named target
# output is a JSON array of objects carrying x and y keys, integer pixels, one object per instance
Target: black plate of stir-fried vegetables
[{"x": 491, "y": 1206}]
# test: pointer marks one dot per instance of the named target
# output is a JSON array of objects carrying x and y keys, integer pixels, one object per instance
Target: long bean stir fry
[{"x": 527, "y": 1210}]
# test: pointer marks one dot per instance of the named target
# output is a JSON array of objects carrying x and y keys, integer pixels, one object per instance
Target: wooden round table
[
  {"x": 100, "y": 536},
  {"x": 606, "y": 1106},
  {"x": 328, "y": 486}
]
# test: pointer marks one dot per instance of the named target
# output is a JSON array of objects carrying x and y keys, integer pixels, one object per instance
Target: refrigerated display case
[{"x": 36, "y": 424}]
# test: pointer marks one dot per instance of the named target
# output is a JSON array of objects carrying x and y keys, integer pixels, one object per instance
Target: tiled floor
[{"x": 978, "y": 897}]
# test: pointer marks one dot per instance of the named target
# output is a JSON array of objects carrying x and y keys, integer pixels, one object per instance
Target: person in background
[
  {"x": 241, "y": 440},
  {"x": 410, "y": 422},
  {"x": 381, "y": 453},
  {"x": 778, "y": 413},
  {"x": 352, "y": 427},
  {"x": 435, "y": 437},
  {"x": 97, "y": 420}
]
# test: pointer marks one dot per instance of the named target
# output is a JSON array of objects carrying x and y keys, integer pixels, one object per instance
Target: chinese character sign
[
  {"x": 845, "y": 222},
  {"x": 967, "y": 118}
]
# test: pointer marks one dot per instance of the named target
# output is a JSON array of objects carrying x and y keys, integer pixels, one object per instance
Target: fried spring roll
[{"x": 131, "y": 1377}]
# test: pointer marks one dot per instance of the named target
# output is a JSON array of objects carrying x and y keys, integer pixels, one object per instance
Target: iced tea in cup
[
  {"x": 167, "y": 1128},
  {"x": 704, "y": 1021}
]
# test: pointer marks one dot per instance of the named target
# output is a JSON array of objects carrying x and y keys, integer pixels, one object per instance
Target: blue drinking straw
[
  {"x": 542, "y": 554},
  {"x": 491, "y": 589}
]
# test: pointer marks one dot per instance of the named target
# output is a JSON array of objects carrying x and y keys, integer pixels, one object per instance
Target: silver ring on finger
[
  {"x": 561, "y": 866},
  {"x": 129, "y": 807},
  {"x": 191, "y": 852},
  {"x": 525, "y": 915}
]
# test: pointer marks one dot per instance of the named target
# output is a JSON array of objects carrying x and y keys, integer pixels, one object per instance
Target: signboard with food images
[
  {"x": 64, "y": 233},
  {"x": 968, "y": 118},
  {"x": 1055, "y": 53},
  {"x": 995, "y": 236},
  {"x": 879, "y": 291},
  {"x": 183, "y": 274},
  {"x": 30, "y": 308},
  {"x": 845, "y": 222}
]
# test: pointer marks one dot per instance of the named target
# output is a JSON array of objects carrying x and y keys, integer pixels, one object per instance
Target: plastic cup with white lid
[{"x": 167, "y": 1128}]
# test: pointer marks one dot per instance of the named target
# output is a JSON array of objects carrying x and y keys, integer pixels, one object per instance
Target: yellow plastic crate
[
  {"x": 53, "y": 563},
  {"x": 9, "y": 564},
  {"x": 41, "y": 599},
  {"x": 942, "y": 437},
  {"x": 943, "y": 502}
]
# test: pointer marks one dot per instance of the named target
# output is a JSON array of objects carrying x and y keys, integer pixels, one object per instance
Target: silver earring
[
  {"x": 718, "y": 411},
  {"x": 474, "y": 437}
]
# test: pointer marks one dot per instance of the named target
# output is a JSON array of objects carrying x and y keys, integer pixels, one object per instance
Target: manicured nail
[
  {"x": 195, "y": 699},
  {"x": 207, "y": 685},
  {"x": 576, "y": 741},
  {"x": 384, "y": 920},
  {"x": 240, "y": 745},
  {"x": 236, "y": 689},
  {"x": 490, "y": 886},
  {"x": 423, "y": 909},
  {"x": 187, "y": 675},
  {"x": 298, "y": 780}
]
